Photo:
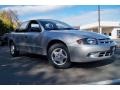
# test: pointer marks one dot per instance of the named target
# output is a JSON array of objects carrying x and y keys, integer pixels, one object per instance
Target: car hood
[{"x": 84, "y": 34}]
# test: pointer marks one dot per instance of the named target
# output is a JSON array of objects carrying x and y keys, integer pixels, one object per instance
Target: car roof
[{"x": 41, "y": 20}]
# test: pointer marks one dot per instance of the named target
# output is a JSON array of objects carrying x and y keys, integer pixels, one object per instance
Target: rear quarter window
[{"x": 23, "y": 26}]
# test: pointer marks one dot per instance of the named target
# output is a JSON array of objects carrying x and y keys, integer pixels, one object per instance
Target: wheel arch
[{"x": 55, "y": 42}]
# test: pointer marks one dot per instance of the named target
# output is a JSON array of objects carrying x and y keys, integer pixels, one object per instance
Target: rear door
[{"x": 20, "y": 36}]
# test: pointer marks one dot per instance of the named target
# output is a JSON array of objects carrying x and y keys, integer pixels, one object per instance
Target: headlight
[{"x": 91, "y": 41}]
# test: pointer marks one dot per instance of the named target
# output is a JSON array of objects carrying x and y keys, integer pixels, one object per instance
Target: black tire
[
  {"x": 67, "y": 64},
  {"x": 15, "y": 53}
]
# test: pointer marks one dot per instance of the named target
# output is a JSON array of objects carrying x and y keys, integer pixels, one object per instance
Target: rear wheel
[
  {"x": 13, "y": 50},
  {"x": 58, "y": 56}
]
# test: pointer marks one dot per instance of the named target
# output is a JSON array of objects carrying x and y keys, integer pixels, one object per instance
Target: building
[{"x": 109, "y": 28}]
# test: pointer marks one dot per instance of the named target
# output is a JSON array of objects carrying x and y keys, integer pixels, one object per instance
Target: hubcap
[
  {"x": 12, "y": 49},
  {"x": 59, "y": 56}
]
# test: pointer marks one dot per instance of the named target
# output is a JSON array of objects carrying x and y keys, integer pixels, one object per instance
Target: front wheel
[
  {"x": 13, "y": 50},
  {"x": 58, "y": 56}
]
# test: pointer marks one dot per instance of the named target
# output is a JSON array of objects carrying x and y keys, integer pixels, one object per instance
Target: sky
[{"x": 72, "y": 14}]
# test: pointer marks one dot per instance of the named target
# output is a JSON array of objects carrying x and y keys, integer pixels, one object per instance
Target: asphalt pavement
[{"x": 31, "y": 69}]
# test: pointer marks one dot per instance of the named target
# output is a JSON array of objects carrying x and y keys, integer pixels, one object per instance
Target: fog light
[{"x": 93, "y": 55}]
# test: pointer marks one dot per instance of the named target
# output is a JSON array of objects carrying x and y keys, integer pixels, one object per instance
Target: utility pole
[{"x": 99, "y": 25}]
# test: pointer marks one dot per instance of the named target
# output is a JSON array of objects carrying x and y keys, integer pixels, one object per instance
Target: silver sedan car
[{"x": 61, "y": 43}]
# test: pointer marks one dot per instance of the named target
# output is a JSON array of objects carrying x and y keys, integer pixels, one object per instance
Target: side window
[
  {"x": 60, "y": 25},
  {"x": 34, "y": 27},
  {"x": 49, "y": 26},
  {"x": 23, "y": 27}
]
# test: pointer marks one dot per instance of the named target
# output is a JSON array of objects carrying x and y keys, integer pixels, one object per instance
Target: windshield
[{"x": 55, "y": 25}]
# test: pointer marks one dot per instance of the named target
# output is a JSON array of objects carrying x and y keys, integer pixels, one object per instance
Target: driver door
[{"x": 34, "y": 37}]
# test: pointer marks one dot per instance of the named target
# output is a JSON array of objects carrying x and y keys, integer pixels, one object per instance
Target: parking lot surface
[{"x": 35, "y": 69}]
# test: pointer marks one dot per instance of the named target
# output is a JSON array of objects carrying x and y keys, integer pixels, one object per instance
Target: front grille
[
  {"x": 105, "y": 53},
  {"x": 105, "y": 41}
]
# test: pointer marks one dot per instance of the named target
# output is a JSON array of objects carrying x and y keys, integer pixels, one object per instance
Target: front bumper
[{"x": 88, "y": 53}]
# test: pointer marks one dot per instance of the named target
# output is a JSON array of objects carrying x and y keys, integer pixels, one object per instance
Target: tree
[
  {"x": 1, "y": 27},
  {"x": 8, "y": 21}
]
